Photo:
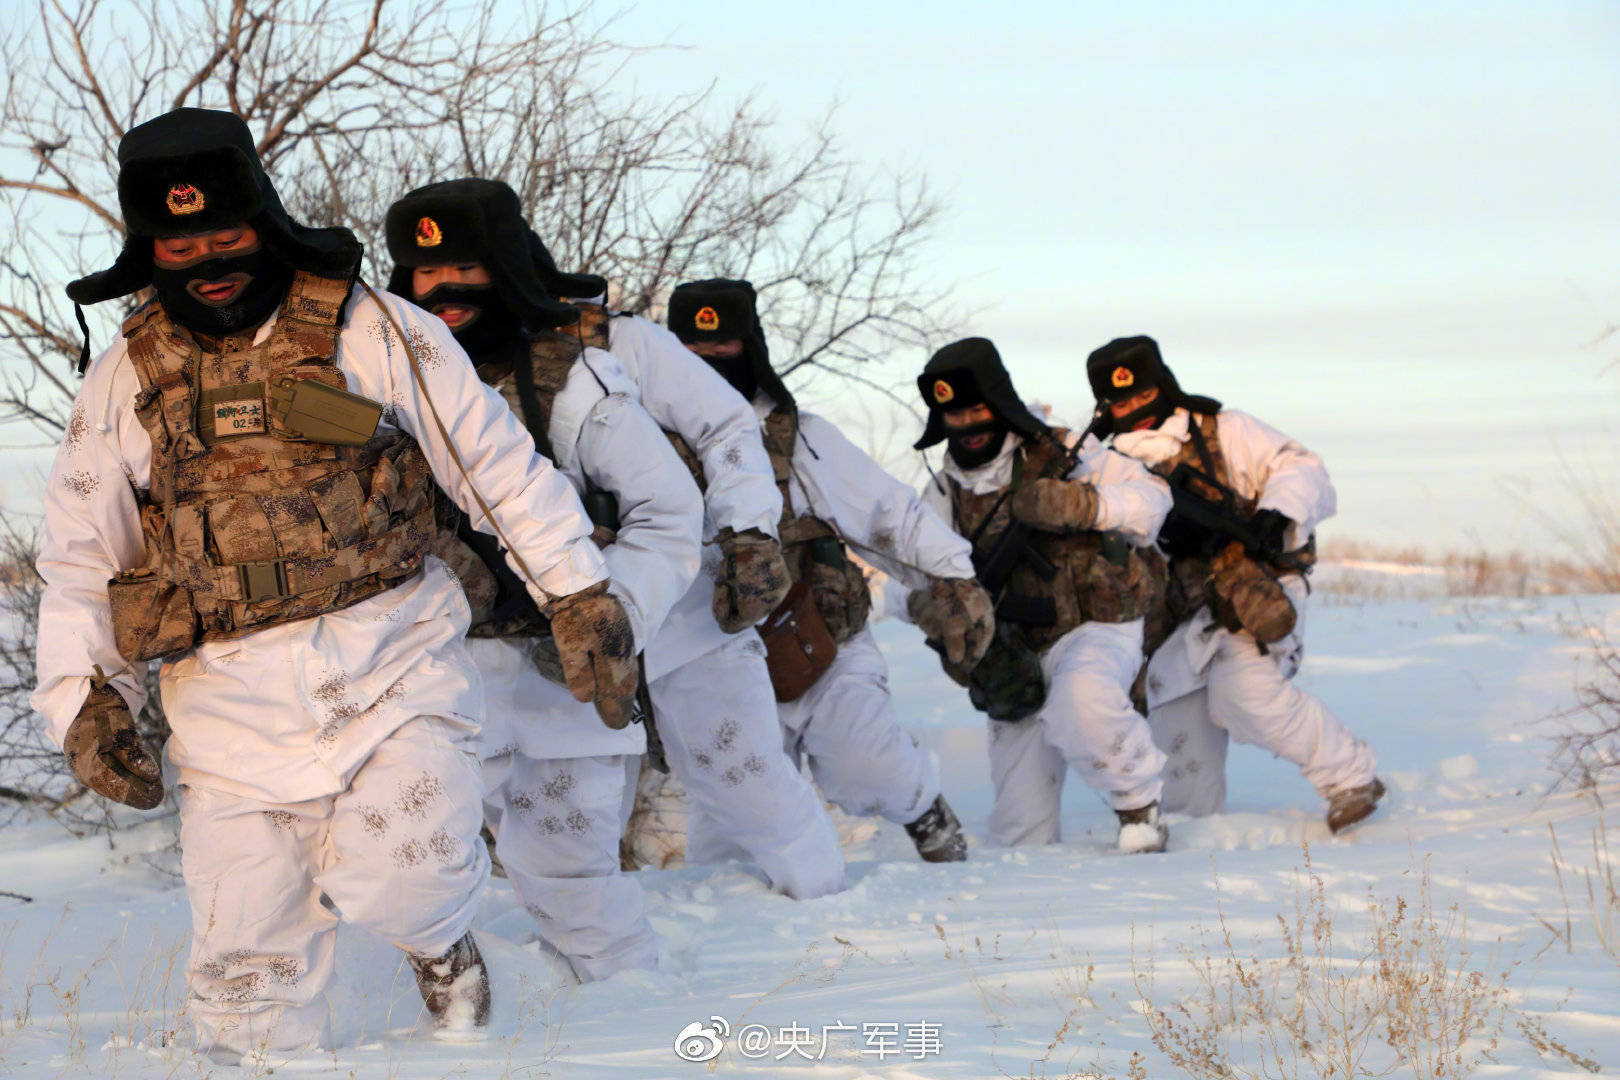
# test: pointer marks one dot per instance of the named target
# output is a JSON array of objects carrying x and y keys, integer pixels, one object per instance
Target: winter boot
[
  {"x": 1140, "y": 830},
  {"x": 1351, "y": 805},
  {"x": 455, "y": 987},
  {"x": 938, "y": 835}
]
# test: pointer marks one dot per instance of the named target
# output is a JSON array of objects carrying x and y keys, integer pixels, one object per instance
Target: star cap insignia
[
  {"x": 184, "y": 199},
  {"x": 943, "y": 392},
  {"x": 1123, "y": 377},
  {"x": 428, "y": 233},
  {"x": 706, "y": 319}
]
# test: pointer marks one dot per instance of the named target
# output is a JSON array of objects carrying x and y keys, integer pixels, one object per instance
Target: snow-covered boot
[
  {"x": 1351, "y": 805},
  {"x": 455, "y": 987},
  {"x": 938, "y": 835},
  {"x": 1140, "y": 830}
]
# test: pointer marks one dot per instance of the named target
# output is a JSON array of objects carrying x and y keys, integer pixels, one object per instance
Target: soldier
[
  {"x": 830, "y": 679},
  {"x": 250, "y": 465},
  {"x": 554, "y": 774},
  {"x": 710, "y": 690},
  {"x": 1239, "y": 543},
  {"x": 1055, "y": 521}
]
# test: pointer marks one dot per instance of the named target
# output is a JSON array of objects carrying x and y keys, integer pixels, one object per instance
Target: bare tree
[
  {"x": 356, "y": 101},
  {"x": 33, "y": 772}
]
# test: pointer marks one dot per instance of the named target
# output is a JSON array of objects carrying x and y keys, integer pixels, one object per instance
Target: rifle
[{"x": 1200, "y": 526}]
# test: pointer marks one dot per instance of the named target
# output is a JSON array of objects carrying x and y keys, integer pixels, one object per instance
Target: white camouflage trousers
[
  {"x": 717, "y": 717},
  {"x": 556, "y": 826},
  {"x": 1087, "y": 725},
  {"x": 397, "y": 853},
  {"x": 1251, "y": 696},
  {"x": 861, "y": 758}
]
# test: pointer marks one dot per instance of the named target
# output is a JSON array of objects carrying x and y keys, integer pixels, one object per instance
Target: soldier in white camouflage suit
[
  {"x": 1228, "y": 636},
  {"x": 555, "y": 773},
  {"x": 830, "y": 679},
  {"x": 245, "y": 491}
]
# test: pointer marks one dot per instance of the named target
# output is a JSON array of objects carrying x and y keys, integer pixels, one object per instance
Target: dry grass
[
  {"x": 1585, "y": 750},
  {"x": 1590, "y": 871},
  {"x": 1398, "y": 990},
  {"x": 1355, "y": 568}
]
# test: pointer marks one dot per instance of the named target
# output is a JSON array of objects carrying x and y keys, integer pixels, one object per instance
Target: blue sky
[{"x": 1389, "y": 229}]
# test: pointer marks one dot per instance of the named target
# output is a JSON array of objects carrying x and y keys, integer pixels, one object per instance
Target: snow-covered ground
[{"x": 1018, "y": 962}]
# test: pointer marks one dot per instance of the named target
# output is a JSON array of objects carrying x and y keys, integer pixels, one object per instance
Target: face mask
[
  {"x": 492, "y": 326},
  {"x": 266, "y": 284},
  {"x": 738, "y": 371},
  {"x": 972, "y": 459},
  {"x": 1158, "y": 410}
]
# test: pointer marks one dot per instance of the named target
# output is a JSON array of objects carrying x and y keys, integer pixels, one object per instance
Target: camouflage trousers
[
  {"x": 556, "y": 827},
  {"x": 1087, "y": 725},
  {"x": 862, "y": 759},
  {"x": 398, "y": 853},
  {"x": 1206, "y": 684}
]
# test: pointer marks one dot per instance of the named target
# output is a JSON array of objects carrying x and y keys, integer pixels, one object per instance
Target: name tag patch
[{"x": 242, "y": 416}]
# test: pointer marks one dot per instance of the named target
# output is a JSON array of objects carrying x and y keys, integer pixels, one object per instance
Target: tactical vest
[
  {"x": 249, "y": 524},
  {"x": 811, "y": 547},
  {"x": 1100, "y": 576}
]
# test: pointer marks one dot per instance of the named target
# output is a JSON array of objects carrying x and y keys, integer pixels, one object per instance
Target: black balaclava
[
  {"x": 1126, "y": 367},
  {"x": 472, "y": 220},
  {"x": 726, "y": 309},
  {"x": 493, "y": 325},
  {"x": 196, "y": 171},
  {"x": 268, "y": 278},
  {"x": 964, "y": 374}
]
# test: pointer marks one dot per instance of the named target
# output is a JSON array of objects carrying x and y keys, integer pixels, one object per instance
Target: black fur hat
[
  {"x": 967, "y": 373},
  {"x": 726, "y": 309},
  {"x": 473, "y": 220},
  {"x": 194, "y": 171},
  {"x": 1127, "y": 366}
]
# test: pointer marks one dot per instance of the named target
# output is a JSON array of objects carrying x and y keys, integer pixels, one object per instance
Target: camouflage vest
[
  {"x": 260, "y": 525},
  {"x": 811, "y": 547},
  {"x": 1100, "y": 576}
]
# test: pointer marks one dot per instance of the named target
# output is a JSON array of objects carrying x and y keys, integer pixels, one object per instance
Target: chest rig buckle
[{"x": 263, "y": 580}]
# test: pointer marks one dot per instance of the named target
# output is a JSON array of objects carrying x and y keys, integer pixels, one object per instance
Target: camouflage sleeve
[
  {"x": 685, "y": 395},
  {"x": 92, "y": 531},
  {"x": 1277, "y": 472},
  {"x": 655, "y": 554},
  {"x": 887, "y": 523},
  {"x": 1130, "y": 499}
]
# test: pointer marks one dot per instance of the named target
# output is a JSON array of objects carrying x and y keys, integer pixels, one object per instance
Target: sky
[{"x": 1387, "y": 229}]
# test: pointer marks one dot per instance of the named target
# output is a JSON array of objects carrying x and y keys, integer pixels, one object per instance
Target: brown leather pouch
[
  {"x": 152, "y": 617},
  {"x": 798, "y": 646}
]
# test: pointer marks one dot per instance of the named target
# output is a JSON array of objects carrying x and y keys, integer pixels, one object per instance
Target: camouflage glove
[
  {"x": 1052, "y": 505},
  {"x": 956, "y": 613},
  {"x": 1244, "y": 596},
  {"x": 597, "y": 650},
  {"x": 752, "y": 582},
  {"x": 109, "y": 756}
]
